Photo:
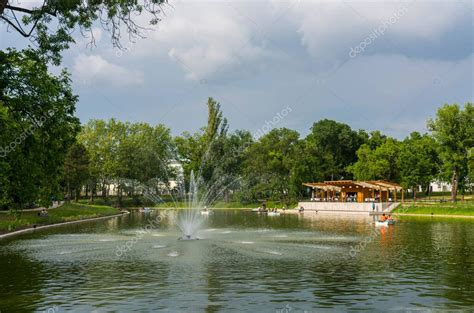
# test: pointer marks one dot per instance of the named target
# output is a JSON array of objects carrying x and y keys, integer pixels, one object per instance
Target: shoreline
[
  {"x": 332, "y": 213},
  {"x": 432, "y": 215},
  {"x": 32, "y": 229}
]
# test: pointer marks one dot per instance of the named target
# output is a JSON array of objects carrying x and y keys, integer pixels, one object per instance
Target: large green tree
[
  {"x": 331, "y": 147},
  {"x": 453, "y": 129},
  {"x": 76, "y": 170},
  {"x": 418, "y": 161},
  {"x": 123, "y": 152},
  {"x": 378, "y": 163},
  {"x": 269, "y": 166},
  {"x": 38, "y": 126},
  {"x": 204, "y": 151}
]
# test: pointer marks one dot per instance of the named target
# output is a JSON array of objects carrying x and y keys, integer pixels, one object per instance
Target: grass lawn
[
  {"x": 67, "y": 212},
  {"x": 459, "y": 208}
]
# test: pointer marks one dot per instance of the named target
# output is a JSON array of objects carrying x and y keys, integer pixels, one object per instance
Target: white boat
[
  {"x": 384, "y": 224},
  {"x": 273, "y": 213},
  {"x": 256, "y": 210},
  {"x": 205, "y": 212}
]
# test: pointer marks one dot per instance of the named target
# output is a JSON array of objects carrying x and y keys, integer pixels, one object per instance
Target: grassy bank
[
  {"x": 459, "y": 208},
  {"x": 66, "y": 213},
  {"x": 168, "y": 203}
]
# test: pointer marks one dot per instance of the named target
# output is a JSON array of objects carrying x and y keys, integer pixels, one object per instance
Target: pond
[{"x": 243, "y": 261}]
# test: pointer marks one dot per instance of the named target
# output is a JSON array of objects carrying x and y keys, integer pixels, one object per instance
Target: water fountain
[{"x": 190, "y": 221}]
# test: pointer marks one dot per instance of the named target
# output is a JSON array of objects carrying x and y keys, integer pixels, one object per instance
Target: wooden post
[
  {"x": 403, "y": 195},
  {"x": 395, "y": 194},
  {"x": 380, "y": 195}
]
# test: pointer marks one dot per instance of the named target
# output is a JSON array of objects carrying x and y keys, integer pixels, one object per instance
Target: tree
[
  {"x": 418, "y": 161},
  {"x": 101, "y": 140},
  {"x": 203, "y": 152},
  {"x": 51, "y": 24},
  {"x": 269, "y": 164},
  {"x": 378, "y": 163},
  {"x": 124, "y": 152},
  {"x": 453, "y": 129},
  {"x": 471, "y": 169},
  {"x": 333, "y": 147},
  {"x": 76, "y": 170},
  {"x": 38, "y": 126}
]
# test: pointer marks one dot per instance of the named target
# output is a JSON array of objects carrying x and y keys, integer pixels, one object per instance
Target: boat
[
  {"x": 384, "y": 224},
  {"x": 273, "y": 213},
  {"x": 205, "y": 212}
]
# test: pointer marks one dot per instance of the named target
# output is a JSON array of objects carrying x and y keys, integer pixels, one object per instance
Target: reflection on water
[{"x": 244, "y": 261}]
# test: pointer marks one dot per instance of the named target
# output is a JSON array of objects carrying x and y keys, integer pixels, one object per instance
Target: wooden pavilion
[{"x": 355, "y": 191}]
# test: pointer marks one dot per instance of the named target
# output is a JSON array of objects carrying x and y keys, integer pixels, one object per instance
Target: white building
[{"x": 438, "y": 186}]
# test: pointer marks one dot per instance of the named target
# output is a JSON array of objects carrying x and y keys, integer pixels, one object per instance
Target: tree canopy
[
  {"x": 51, "y": 23},
  {"x": 38, "y": 126},
  {"x": 453, "y": 129}
]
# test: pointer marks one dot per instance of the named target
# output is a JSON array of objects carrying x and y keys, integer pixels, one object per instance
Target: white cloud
[
  {"x": 93, "y": 68},
  {"x": 329, "y": 28},
  {"x": 201, "y": 39}
]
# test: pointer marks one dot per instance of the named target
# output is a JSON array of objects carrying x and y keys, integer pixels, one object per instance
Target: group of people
[
  {"x": 43, "y": 213},
  {"x": 384, "y": 218}
]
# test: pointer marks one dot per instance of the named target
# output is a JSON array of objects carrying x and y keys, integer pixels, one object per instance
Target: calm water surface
[{"x": 244, "y": 262}]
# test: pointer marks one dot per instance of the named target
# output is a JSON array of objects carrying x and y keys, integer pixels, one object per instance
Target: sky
[{"x": 375, "y": 65}]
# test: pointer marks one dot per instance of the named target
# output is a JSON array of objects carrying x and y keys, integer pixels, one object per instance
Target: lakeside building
[
  {"x": 355, "y": 191},
  {"x": 353, "y": 197}
]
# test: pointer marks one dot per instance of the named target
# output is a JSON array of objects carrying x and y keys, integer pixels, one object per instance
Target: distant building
[
  {"x": 439, "y": 186},
  {"x": 436, "y": 186}
]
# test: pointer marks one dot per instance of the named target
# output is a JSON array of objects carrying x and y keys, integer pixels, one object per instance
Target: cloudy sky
[{"x": 371, "y": 64}]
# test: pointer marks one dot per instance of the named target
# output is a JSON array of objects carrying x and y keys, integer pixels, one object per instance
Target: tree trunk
[
  {"x": 454, "y": 185},
  {"x": 414, "y": 193},
  {"x": 93, "y": 189},
  {"x": 104, "y": 191},
  {"x": 119, "y": 194},
  {"x": 68, "y": 192}
]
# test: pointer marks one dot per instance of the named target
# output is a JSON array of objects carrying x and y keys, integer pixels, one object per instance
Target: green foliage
[
  {"x": 453, "y": 129},
  {"x": 418, "y": 161},
  {"x": 76, "y": 170},
  {"x": 269, "y": 166},
  {"x": 331, "y": 147},
  {"x": 126, "y": 151},
  {"x": 203, "y": 152},
  {"x": 377, "y": 163},
  {"x": 38, "y": 126},
  {"x": 51, "y": 23},
  {"x": 471, "y": 169}
]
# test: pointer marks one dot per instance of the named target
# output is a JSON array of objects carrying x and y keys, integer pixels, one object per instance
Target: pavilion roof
[
  {"x": 323, "y": 186},
  {"x": 337, "y": 185},
  {"x": 388, "y": 185}
]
